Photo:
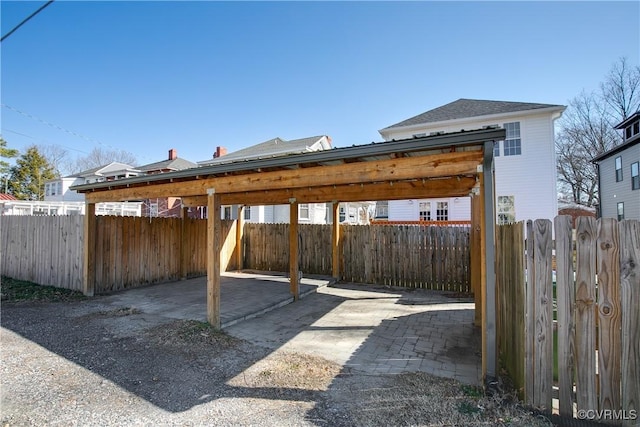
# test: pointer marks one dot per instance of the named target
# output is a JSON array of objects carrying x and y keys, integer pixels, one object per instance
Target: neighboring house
[
  {"x": 61, "y": 200},
  {"x": 165, "y": 206},
  {"x": 57, "y": 190},
  {"x": 525, "y": 162},
  {"x": 308, "y": 213},
  {"x": 619, "y": 174},
  {"x": 36, "y": 207}
]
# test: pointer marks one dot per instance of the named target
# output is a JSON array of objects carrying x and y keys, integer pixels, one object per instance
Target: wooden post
[
  {"x": 483, "y": 273},
  {"x": 239, "y": 240},
  {"x": 293, "y": 249},
  {"x": 213, "y": 258},
  {"x": 476, "y": 266},
  {"x": 184, "y": 251},
  {"x": 89, "y": 264},
  {"x": 335, "y": 241}
]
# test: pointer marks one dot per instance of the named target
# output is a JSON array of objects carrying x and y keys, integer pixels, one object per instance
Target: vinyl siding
[
  {"x": 612, "y": 192},
  {"x": 408, "y": 210},
  {"x": 529, "y": 177}
]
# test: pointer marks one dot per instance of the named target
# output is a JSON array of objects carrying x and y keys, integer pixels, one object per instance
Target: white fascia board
[{"x": 488, "y": 118}]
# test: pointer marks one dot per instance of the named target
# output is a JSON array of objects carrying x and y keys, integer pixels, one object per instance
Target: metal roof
[{"x": 456, "y": 141}]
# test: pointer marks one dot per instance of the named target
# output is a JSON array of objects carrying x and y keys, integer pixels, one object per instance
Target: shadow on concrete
[{"x": 101, "y": 336}]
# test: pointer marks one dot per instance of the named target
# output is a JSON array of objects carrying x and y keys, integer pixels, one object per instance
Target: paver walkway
[{"x": 376, "y": 330}]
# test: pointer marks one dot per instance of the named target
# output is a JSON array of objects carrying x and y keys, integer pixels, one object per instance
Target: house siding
[
  {"x": 612, "y": 192},
  {"x": 530, "y": 177}
]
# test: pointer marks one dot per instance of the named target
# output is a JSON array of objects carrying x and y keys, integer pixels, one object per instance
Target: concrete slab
[{"x": 243, "y": 295}]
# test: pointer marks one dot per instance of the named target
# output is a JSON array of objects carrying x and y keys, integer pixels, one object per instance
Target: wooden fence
[
  {"x": 43, "y": 249},
  {"x": 131, "y": 251},
  {"x": 586, "y": 328}
]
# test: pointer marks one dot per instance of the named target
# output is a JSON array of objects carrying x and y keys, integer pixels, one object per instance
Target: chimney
[
  {"x": 220, "y": 151},
  {"x": 173, "y": 154}
]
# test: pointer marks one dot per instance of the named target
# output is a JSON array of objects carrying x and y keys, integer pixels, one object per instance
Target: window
[
  {"x": 506, "y": 210},
  {"x": 425, "y": 211},
  {"x": 153, "y": 209},
  {"x": 60, "y": 188},
  {"x": 47, "y": 191},
  {"x": 620, "y": 211},
  {"x": 512, "y": 143},
  {"x": 419, "y": 135},
  {"x": 442, "y": 211},
  {"x": 496, "y": 149},
  {"x": 247, "y": 212},
  {"x": 636, "y": 128},
  {"x": 226, "y": 212},
  {"x": 635, "y": 176},
  {"x": 303, "y": 211},
  {"x": 342, "y": 215},
  {"x": 382, "y": 209},
  {"x": 618, "y": 169}
]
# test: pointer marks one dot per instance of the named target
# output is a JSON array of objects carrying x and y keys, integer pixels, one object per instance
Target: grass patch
[{"x": 13, "y": 290}]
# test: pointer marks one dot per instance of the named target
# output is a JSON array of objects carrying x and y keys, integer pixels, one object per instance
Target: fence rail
[
  {"x": 582, "y": 332},
  {"x": 130, "y": 251}
]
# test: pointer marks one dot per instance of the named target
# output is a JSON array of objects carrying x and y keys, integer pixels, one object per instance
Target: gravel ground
[{"x": 80, "y": 363}]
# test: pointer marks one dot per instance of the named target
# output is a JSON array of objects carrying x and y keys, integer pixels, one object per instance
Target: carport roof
[{"x": 413, "y": 147}]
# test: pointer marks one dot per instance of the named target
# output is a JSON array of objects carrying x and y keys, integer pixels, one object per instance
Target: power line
[{"x": 24, "y": 21}]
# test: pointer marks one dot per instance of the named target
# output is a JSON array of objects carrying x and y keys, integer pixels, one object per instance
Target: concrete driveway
[{"x": 362, "y": 327}]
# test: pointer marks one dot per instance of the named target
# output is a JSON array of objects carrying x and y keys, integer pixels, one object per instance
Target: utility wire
[{"x": 24, "y": 21}]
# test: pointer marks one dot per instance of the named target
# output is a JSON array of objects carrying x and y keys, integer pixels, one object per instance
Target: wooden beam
[
  {"x": 335, "y": 241},
  {"x": 239, "y": 240},
  {"x": 89, "y": 265},
  {"x": 213, "y": 258},
  {"x": 432, "y": 166},
  {"x": 293, "y": 249},
  {"x": 458, "y": 186},
  {"x": 184, "y": 251}
]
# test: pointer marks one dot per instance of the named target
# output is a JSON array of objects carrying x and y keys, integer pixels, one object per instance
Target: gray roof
[
  {"x": 175, "y": 165},
  {"x": 271, "y": 148},
  {"x": 465, "y": 108}
]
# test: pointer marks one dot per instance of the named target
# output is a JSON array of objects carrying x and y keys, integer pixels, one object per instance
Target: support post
[
  {"x": 335, "y": 241},
  {"x": 239, "y": 241},
  {"x": 183, "y": 243},
  {"x": 293, "y": 249},
  {"x": 213, "y": 258},
  {"x": 89, "y": 247},
  {"x": 489, "y": 347},
  {"x": 476, "y": 258}
]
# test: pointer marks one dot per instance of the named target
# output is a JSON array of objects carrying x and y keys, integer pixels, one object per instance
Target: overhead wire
[{"x": 24, "y": 21}]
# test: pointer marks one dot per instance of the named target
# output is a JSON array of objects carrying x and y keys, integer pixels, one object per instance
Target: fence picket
[
  {"x": 565, "y": 290},
  {"x": 630, "y": 332},
  {"x": 609, "y": 355}
]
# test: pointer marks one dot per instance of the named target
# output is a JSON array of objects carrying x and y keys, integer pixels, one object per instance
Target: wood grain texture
[
  {"x": 565, "y": 294},
  {"x": 609, "y": 316},
  {"x": 585, "y": 312}
]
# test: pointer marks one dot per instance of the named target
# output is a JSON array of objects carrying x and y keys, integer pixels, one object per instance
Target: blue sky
[{"x": 149, "y": 76}]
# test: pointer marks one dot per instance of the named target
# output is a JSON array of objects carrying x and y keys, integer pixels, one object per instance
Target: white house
[
  {"x": 308, "y": 213},
  {"x": 525, "y": 162},
  {"x": 57, "y": 190}
]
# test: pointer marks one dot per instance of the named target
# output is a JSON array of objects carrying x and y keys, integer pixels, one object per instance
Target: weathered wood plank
[
  {"x": 586, "y": 235},
  {"x": 609, "y": 317},
  {"x": 530, "y": 319},
  {"x": 565, "y": 294},
  {"x": 630, "y": 308}
]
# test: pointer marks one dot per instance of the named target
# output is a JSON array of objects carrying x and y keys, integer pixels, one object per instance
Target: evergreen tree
[{"x": 28, "y": 176}]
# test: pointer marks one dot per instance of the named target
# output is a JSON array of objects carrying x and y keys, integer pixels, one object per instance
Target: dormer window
[{"x": 632, "y": 130}]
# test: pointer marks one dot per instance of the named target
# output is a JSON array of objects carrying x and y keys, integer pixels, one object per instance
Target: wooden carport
[{"x": 447, "y": 165}]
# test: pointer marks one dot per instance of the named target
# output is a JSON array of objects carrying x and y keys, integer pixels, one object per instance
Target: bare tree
[
  {"x": 587, "y": 130},
  {"x": 58, "y": 158},
  {"x": 101, "y": 157},
  {"x": 621, "y": 90}
]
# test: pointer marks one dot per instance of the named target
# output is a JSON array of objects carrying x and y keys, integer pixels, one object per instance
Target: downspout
[{"x": 490, "y": 297}]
